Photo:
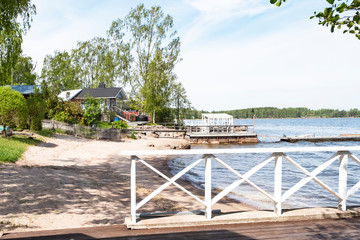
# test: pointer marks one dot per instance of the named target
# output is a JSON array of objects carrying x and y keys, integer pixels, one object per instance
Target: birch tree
[{"x": 150, "y": 34}]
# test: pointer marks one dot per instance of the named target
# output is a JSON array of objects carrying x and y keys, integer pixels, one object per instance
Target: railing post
[
  {"x": 278, "y": 183},
  {"x": 343, "y": 181},
  {"x": 208, "y": 186},
  {"x": 133, "y": 189}
]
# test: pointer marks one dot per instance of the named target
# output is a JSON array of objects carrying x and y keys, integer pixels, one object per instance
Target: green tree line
[{"x": 299, "y": 112}]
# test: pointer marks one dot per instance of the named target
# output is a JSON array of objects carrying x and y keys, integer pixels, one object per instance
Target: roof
[
  {"x": 103, "y": 93},
  {"x": 70, "y": 94},
  {"x": 26, "y": 89}
]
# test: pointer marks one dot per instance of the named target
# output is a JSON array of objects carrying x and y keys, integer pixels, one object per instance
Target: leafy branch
[{"x": 340, "y": 13}]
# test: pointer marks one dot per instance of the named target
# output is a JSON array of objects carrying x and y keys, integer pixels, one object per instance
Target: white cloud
[
  {"x": 214, "y": 13},
  {"x": 294, "y": 67}
]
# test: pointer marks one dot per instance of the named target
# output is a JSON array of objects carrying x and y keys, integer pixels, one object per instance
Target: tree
[
  {"x": 158, "y": 87},
  {"x": 23, "y": 73},
  {"x": 51, "y": 99},
  {"x": 180, "y": 100},
  {"x": 339, "y": 13},
  {"x": 59, "y": 73},
  {"x": 150, "y": 33},
  {"x": 15, "y": 20},
  {"x": 99, "y": 60},
  {"x": 13, "y": 108}
]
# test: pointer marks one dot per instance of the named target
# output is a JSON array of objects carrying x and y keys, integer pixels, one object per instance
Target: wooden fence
[{"x": 85, "y": 131}]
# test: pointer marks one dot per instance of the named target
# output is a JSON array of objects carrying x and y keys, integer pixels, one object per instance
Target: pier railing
[
  {"x": 276, "y": 155},
  {"x": 219, "y": 128}
]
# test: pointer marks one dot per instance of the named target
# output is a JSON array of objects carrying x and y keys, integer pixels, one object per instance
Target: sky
[{"x": 235, "y": 53}]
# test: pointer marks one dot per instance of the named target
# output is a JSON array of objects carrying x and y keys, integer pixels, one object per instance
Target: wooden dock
[
  {"x": 223, "y": 138},
  {"x": 315, "y": 229},
  {"x": 344, "y": 137}
]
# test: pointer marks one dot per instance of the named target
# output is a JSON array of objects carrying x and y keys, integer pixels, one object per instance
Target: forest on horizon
[{"x": 273, "y": 112}]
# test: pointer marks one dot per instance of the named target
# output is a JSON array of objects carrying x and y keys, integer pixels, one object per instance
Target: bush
[
  {"x": 69, "y": 112},
  {"x": 13, "y": 108},
  {"x": 120, "y": 125},
  {"x": 36, "y": 106},
  {"x": 92, "y": 112}
]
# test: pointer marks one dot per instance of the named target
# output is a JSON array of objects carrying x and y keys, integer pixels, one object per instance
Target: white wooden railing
[{"x": 276, "y": 154}]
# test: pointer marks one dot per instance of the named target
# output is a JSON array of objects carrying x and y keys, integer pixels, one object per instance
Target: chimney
[{"x": 102, "y": 85}]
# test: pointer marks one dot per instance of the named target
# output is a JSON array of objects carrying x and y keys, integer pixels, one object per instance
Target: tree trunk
[
  {"x": 5, "y": 135},
  {"x": 153, "y": 120}
]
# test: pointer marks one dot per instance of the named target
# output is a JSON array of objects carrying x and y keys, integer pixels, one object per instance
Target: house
[
  {"x": 26, "y": 90},
  {"x": 111, "y": 97},
  {"x": 114, "y": 99}
]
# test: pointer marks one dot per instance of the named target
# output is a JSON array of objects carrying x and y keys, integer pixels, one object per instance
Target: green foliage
[
  {"x": 36, "y": 106},
  {"x": 340, "y": 13},
  {"x": 13, "y": 108},
  {"x": 158, "y": 86},
  {"x": 59, "y": 72},
  {"x": 12, "y": 148},
  {"x": 104, "y": 125},
  {"x": 23, "y": 73},
  {"x": 272, "y": 112},
  {"x": 97, "y": 60},
  {"x": 69, "y": 112},
  {"x": 92, "y": 111},
  {"x": 120, "y": 125},
  {"x": 164, "y": 116},
  {"x": 15, "y": 20},
  {"x": 180, "y": 102},
  {"x": 50, "y": 97},
  {"x": 154, "y": 52},
  {"x": 133, "y": 136}
]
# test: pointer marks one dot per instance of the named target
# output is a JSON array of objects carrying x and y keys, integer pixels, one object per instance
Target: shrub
[
  {"x": 120, "y": 125},
  {"x": 13, "y": 108},
  {"x": 69, "y": 112},
  {"x": 92, "y": 112},
  {"x": 36, "y": 106}
]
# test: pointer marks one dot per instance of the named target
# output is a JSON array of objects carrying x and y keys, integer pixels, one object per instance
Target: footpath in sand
[{"x": 68, "y": 182}]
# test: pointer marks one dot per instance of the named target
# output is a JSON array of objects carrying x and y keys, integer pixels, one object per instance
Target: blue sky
[{"x": 236, "y": 53}]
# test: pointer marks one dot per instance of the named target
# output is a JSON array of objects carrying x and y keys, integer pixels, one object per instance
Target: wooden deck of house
[{"x": 315, "y": 229}]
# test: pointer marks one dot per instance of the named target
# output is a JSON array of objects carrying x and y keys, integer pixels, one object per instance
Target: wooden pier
[
  {"x": 223, "y": 138},
  {"x": 344, "y": 137}
]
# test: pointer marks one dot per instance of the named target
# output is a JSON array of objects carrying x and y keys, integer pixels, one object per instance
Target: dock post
[
  {"x": 133, "y": 189},
  {"x": 208, "y": 186},
  {"x": 343, "y": 181},
  {"x": 278, "y": 184}
]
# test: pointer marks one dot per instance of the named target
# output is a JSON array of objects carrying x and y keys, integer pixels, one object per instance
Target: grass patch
[
  {"x": 11, "y": 148},
  {"x": 45, "y": 132},
  {"x": 104, "y": 125}
]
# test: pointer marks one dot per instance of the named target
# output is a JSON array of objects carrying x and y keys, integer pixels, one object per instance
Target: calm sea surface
[{"x": 269, "y": 132}]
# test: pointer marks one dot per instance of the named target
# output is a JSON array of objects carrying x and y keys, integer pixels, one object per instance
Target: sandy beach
[{"x": 68, "y": 182}]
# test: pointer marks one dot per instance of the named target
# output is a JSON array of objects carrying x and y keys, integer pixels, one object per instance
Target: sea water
[{"x": 270, "y": 131}]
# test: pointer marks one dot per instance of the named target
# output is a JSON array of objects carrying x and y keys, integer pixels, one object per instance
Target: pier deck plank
[{"x": 314, "y": 229}]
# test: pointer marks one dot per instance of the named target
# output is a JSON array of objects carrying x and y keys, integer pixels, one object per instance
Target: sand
[{"x": 68, "y": 182}]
